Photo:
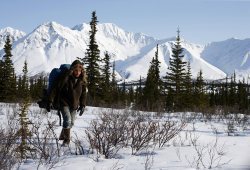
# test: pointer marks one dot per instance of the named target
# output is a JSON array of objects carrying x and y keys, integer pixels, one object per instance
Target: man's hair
[{"x": 76, "y": 64}]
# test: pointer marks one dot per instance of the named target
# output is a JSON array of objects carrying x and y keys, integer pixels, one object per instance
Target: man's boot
[
  {"x": 66, "y": 140},
  {"x": 62, "y": 136}
]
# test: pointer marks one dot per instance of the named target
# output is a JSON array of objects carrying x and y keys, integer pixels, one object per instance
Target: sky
[{"x": 200, "y": 21}]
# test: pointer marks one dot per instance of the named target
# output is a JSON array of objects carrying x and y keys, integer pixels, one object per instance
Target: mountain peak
[
  {"x": 84, "y": 26},
  {"x": 53, "y": 26},
  {"x": 13, "y": 33},
  {"x": 10, "y": 30},
  {"x": 80, "y": 27},
  {"x": 49, "y": 31}
]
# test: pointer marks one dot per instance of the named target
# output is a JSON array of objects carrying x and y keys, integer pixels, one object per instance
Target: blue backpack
[
  {"x": 55, "y": 74},
  {"x": 53, "y": 79}
]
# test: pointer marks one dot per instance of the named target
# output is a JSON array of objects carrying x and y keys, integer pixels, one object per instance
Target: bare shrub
[
  {"x": 245, "y": 122},
  {"x": 207, "y": 156},
  {"x": 108, "y": 134},
  {"x": 141, "y": 134},
  {"x": 10, "y": 143},
  {"x": 242, "y": 121},
  {"x": 118, "y": 129},
  {"x": 8, "y": 146},
  {"x": 167, "y": 130},
  {"x": 43, "y": 143},
  {"x": 230, "y": 124},
  {"x": 79, "y": 149}
]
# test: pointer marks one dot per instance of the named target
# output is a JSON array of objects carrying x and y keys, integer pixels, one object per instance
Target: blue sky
[{"x": 200, "y": 21}]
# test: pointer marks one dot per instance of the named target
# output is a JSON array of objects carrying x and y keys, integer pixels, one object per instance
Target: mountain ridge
[{"x": 51, "y": 44}]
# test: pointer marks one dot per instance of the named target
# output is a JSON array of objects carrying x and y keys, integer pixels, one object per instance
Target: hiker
[{"x": 70, "y": 93}]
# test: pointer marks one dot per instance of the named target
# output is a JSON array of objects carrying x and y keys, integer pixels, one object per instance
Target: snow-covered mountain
[
  {"x": 13, "y": 33},
  {"x": 229, "y": 55},
  {"x": 47, "y": 47},
  {"x": 52, "y": 44},
  {"x": 137, "y": 66}
]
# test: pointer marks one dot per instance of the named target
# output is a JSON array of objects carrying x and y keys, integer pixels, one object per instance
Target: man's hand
[
  {"x": 81, "y": 110},
  {"x": 49, "y": 106}
]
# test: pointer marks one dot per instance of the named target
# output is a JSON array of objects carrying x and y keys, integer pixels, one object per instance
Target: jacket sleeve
[{"x": 83, "y": 96}]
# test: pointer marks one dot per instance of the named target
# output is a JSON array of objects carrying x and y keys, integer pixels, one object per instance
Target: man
[{"x": 70, "y": 93}]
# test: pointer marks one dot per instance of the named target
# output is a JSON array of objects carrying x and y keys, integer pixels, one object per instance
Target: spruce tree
[
  {"x": 201, "y": 100},
  {"x": 149, "y": 89},
  {"x": 25, "y": 81},
  {"x": 123, "y": 94},
  {"x": 1, "y": 81},
  {"x": 217, "y": 95},
  {"x": 175, "y": 78},
  {"x": 199, "y": 84},
  {"x": 139, "y": 95},
  {"x": 131, "y": 95},
  {"x": 153, "y": 85},
  {"x": 32, "y": 88},
  {"x": 232, "y": 91},
  {"x": 157, "y": 70},
  {"x": 242, "y": 96},
  {"x": 212, "y": 94},
  {"x": 225, "y": 94},
  {"x": 38, "y": 86},
  {"x": 92, "y": 61},
  {"x": 19, "y": 87},
  {"x": 106, "y": 75},
  {"x": 107, "y": 69},
  {"x": 114, "y": 88},
  {"x": 222, "y": 94},
  {"x": 24, "y": 132},
  {"x": 8, "y": 77},
  {"x": 113, "y": 81},
  {"x": 188, "y": 93}
]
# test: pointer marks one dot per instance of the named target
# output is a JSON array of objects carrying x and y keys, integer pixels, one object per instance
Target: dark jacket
[{"x": 70, "y": 91}]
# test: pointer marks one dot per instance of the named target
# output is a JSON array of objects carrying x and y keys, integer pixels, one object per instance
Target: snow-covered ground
[{"x": 200, "y": 136}]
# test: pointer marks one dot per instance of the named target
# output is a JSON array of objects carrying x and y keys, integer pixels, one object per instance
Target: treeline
[
  {"x": 176, "y": 91},
  {"x": 15, "y": 88}
]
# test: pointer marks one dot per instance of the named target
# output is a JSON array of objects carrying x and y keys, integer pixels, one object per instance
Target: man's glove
[
  {"x": 49, "y": 106},
  {"x": 81, "y": 110}
]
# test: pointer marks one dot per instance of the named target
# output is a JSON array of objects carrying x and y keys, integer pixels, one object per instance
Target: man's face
[{"x": 77, "y": 72}]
